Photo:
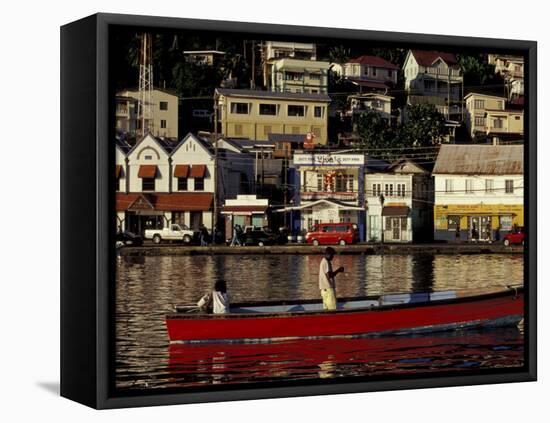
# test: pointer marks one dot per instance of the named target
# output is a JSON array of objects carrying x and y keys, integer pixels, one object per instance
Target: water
[{"x": 148, "y": 287}]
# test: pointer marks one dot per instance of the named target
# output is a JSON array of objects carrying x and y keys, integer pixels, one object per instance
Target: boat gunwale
[{"x": 511, "y": 291}]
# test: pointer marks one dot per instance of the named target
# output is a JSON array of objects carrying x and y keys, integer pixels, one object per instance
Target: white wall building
[
  {"x": 478, "y": 191},
  {"x": 399, "y": 209}
]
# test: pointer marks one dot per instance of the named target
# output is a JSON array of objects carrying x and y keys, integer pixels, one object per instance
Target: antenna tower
[{"x": 145, "y": 103}]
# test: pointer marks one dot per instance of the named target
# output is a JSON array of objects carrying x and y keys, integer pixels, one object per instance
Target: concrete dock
[{"x": 182, "y": 250}]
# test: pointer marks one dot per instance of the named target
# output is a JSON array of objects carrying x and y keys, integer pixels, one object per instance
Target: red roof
[
  {"x": 427, "y": 58},
  {"x": 181, "y": 171},
  {"x": 147, "y": 171},
  {"x": 189, "y": 201},
  {"x": 374, "y": 61},
  {"x": 198, "y": 171}
]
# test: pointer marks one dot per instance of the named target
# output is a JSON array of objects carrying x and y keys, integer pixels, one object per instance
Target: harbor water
[{"x": 148, "y": 287}]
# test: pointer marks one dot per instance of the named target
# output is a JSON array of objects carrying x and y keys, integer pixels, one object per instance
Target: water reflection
[{"x": 146, "y": 288}]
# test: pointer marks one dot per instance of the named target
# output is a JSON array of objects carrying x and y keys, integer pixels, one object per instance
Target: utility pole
[
  {"x": 253, "y": 76},
  {"x": 285, "y": 182},
  {"x": 215, "y": 213}
]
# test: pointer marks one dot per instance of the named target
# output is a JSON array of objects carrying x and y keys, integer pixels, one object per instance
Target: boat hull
[{"x": 482, "y": 311}]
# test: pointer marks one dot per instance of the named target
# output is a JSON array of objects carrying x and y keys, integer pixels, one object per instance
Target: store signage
[{"x": 329, "y": 159}]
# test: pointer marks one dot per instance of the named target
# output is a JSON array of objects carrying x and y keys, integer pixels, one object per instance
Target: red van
[{"x": 333, "y": 233}]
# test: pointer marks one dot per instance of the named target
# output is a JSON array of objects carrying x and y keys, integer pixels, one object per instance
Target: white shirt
[
  {"x": 324, "y": 281},
  {"x": 219, "y": 301}
]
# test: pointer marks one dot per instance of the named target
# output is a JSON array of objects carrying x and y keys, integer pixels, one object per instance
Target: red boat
[{"x": 382, "y": 315}]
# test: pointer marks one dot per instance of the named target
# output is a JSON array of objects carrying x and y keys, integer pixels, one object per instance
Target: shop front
[
  {"x": 396, "y": 223},
  {"x": 245, "y": 210},
  {"x": 138, "y": 212},
  {"x": 476, "y": 223}
]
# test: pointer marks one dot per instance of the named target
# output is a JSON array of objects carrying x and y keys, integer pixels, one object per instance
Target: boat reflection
[{"x": 206, "y": 364}]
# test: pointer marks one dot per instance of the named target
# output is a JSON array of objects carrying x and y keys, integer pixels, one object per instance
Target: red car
[
  {"x": 333, "y": 233},
  {"x": 515, "y": 237}
]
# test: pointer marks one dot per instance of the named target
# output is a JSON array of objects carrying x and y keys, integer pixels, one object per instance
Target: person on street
[
  {"x": 237, "y": 234},
  {"x": 327, "y": 283}
]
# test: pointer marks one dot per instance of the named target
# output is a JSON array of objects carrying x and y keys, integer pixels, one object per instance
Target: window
[
  {"x": 469, "y": 186},
  {"x": 163, "y": 123},
  {"x": 506, "y": 223},
  {"x": 319, "y": 182},
  {"x": 318, "y": 111},
  {"x": 376, "y": 190},
  {"x": 390, "y": 74},
  {"x": 199, "y": 184},
  {"x": 148, "y": 157},
  {"x": 344, "y": 183},
  {"x": 479, "y": 104},
  {"x": 373, "y": 71},
  {"x": 389, "y": 190},
  {"x": 163, "y": 105},
  {"x": 239, "y": 108},
  {"x": 147, "y": 184},
  {"x": 517, "y": 117},
  {"x": 448, "y": 186},
  {"x": 489, "y": 185},
  {"x": 400, "y": 190},
  {"x": 498, "y": 123},
  {"x": 479, "y": 121},
  {"x": 453, "y": 222},
  {"x": 315, "y": 76},
  {"x": 293, "y": 76},
  {"x": 268, "y": 109},
  {"x": 182, "y": 184},
  {"x": 296, "y": 110},
  {"x": 509, "y": 186}
]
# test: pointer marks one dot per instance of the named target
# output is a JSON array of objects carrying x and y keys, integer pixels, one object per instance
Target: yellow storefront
[{"x": 475, "y": 222}]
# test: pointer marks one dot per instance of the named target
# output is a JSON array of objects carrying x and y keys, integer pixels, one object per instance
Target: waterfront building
[
  {"x": 164, "y": 120},
  {"x": 369, "y": 73},
  {"x": 488, "y": 117},
  {"x": 399, "y": 203},
  {"x": 299, "y": 76},
  {"x": 478, "y": 192},
  {"x": 245, "y": 210},
  {"x": 329, "y": 188},
  {"x": 252, "y": 114},
  {"x": 437, "y": 78},
  {"x": 161, "y": 182}
]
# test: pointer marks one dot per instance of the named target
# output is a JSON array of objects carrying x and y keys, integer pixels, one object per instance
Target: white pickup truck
[{"x": 174, "y": 232}]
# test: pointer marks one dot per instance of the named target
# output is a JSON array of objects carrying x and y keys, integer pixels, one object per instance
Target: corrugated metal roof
[{"x": 480, "y": 159}]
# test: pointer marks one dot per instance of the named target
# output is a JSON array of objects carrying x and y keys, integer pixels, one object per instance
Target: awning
[
  {"x": 147, "y": 171},
  {"x": 198, "y": 171},
  {"x": 181, "y": 171},
  {"x": 395, "y": 211},
  {"x": 165, "y": 202},
  {"x": 190, "y": 201},
  {"x": 118, "y": 170},
  {"x": 244, "y": 210}
]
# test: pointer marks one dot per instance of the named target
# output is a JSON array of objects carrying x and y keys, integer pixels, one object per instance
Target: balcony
[{"x": 324, "y": 195}]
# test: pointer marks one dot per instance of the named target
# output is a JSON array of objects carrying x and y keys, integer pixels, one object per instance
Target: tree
[
  {"x": 374, "y": 131},
  {"x": 425, "y": 126}
]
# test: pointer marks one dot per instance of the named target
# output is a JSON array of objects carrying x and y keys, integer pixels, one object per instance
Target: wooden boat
[{"x": 382, "y": 315}]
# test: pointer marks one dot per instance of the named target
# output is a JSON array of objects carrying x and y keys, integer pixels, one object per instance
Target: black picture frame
[{"x": 86, "y": 230}]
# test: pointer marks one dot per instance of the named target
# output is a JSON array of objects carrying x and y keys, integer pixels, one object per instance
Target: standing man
[{"x": 327, "y": 284}]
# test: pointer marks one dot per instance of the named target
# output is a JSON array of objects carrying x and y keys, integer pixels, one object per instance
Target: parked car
[
  {"x": 174, "y": 232},
  {"x": 128, "y": 238},
  {"x": 258, "y": 237},
  {"x": 515, "y": 237},
  {"x": 333, "y": 233}
]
